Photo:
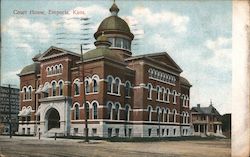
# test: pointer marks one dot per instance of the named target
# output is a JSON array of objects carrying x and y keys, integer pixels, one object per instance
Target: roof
[
  {"x": 102, "y": 52},
  {"x": 160, "y": 57},
  {"x": 114, "y": 24},
  {"x": 184, "y": 81},
  {"x": 211, "y": 110},
  {"x": 30, "y": 69}
]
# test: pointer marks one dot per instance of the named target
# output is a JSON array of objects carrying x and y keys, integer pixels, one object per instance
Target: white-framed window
[
  {"x": 25, "y": 93},
  {"x": 60, "y": 88},
  {"x": 87, "y": 86},
  {"x": 110, "y": 110},
  {"x": 149, "y": 113},
  {"x": 174, "y": 115},
  {"x": 163, "y": 115},
  {"x": 168, "y": 115},
  {"x": 95, "y": 110},
  {"x": 95, "y": 79},
  {"x": 116, "y": 88},
  {"x": 127, "y": 88},
  {"x": 110, "y": 84},
  {"x": 29, "y": 92},
  {"x": 158, "y": 92},
  {"x": 53, "y": 88},
  {"x": 86, "y": 107},
  {"x": 158, "y": 114},
  {"x": 150, "y": 91},
  {"x": 76, "y": 87},
  {"x": 77, "y": 112},
  {"x": 117, "y": 111},
  {"x": 127, "y": 112},
  {"x": 174, "y": 96}
]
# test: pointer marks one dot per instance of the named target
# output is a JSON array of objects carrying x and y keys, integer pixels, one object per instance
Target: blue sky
[{"x": 196, "y": 34}]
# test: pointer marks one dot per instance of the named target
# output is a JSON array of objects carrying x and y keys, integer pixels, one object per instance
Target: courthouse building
[{"x": 126, "y": 95}]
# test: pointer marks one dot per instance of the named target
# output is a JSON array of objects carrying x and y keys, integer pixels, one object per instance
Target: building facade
[
  {"x": 126, "y": 95},
  {"x": 206, "y": 121},
  {"x": 5, "y": 111}
]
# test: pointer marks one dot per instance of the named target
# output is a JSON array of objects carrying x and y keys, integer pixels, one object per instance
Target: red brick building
[{"x": 126, "y": 95}]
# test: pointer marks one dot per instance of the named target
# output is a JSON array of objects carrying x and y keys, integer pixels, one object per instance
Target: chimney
[{"x": 198, "y": 105}]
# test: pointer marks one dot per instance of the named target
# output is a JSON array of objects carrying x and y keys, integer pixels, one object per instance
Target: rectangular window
[
  {"x": 174, "y": 131},
  {"x": 117, "y": 132},
  {"x": 167, "y": 132},
  {"x": 75, "y": 130},
  {"x": 94, "y": 131},
  {"x": 23, "y": 131},
  {"x": 129, "y": 132},
  {"x": 162, "y": 132},
  {"x": 158, "y": 132},
  {"x": 149, "y": 132},
  {"x": 28, "y": 131},
  {"x": 109, "y": 132}
]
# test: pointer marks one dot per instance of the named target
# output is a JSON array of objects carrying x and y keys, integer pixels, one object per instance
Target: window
[
  {"x": 174, "y": 131},
  {"x": 174, "y": 97},
  {"x": 117, "y": 110},
  {"x": 162, "y": 132},
  {"x": 95, "y": 85},
  {"x": 53, "y": 89},
  {"x": 158, "y": 132},
  {"x": 94, "y": 131},
  {"x": 87, "y": 110},
  {"x": 29, "y": 92},
  {"x": 149, "y": 91},
  {"x": 158, "y": 93},
  {"x": 158, "y": 115},
  {"x": 28, "y": 131},
  {"x": 127, "y": 89},
  {"x": 129, "y": 132},
  {"x": 117, "y": 132},
  {"x": 149, "y": 132},
  {"x": 183, "y": 100},
  {"x": 77, "y": 112},
  {"x": 127, "y": 113},
  {"x": 109, "y": 113},
  {"x": 87, "y": 86},
  {"x": 110, "y": 82},
  {"x": 57, "y": 69},
  {"x": 118, "y": 42},
  {"x": 117, "y": 86},
  {"x": 174, "y": 115},
  {"x": 167, "y": 95},
  {"x": 60, "y": 88},
  {"x": 77, "y": 87},
  {"x": 25, "y": 93},
  {"x": 149, "y": 113},
  {"x": 60, "y": 68},
  {"x": 167, "y": 132},
  {"x": 109, "y": 132},
  {"x": 95, "y": 110},
  {"x": 163, "y": 115},
  {"x": 75, "y": 130}
]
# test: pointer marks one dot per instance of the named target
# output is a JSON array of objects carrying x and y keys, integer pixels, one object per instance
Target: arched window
[
  {"x": 95, "y": 113},
  {"x": 168, "y": 113},
  {"x": 57, "y": 69},
  {"x": 29, "y": 92},
  {"x": 174, "y": 115},
  {"x": 149, "y": 113},
  {"x": 127, "y": 89},
  {"x": 163, "y": 94},
  {"x": 60, "y": 68},
  {"x": 163, "y": 115},
  {"x": 174, "y": 97},
  {"x": 127, "y": 113},
  {"x": 187, "y": 117},
  {"x": 25, "y": 93},
  {"x": 109, "y": 112},
  {"x": 110, "y": 84},
  {"x": 149, "y": 91},
  {"x": 77, "y": 87},
  {"x": 60, "y": 88},
  {"x": 116, "y": 89},
  {"x": 183, "y": 117},
  {"x": 95, "y": 85},
  {"x": 158, "y": 115},
  {"x": 87, "y": 86},
  {"x": 87, "y": 109},
  {"x": 53, "y": 89},
  {"x": 167, "y": 95},
  {"x": 52, "y": 70},
  {"x": 117, "y": 111},
  {"x": 77, "y": 112},
  {"x": 187, "y": 101},
  {"x": 158, "y": 93}
]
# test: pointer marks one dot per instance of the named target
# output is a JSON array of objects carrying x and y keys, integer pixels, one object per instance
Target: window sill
[
  {"x": 114, "y": 94},
  {"x": 27, "y": 100}
]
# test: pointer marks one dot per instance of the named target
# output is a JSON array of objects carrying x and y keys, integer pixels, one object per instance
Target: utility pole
[{"x": 84, "y": 98}]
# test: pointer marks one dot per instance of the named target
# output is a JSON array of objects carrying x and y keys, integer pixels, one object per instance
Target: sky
[{"x": 196, "y": 34}]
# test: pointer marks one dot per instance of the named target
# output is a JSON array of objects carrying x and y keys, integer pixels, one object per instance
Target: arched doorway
[{"x": 53, "y": 119}]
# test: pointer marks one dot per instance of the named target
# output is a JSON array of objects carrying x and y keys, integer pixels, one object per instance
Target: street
[{"x": 32, "y": 147}]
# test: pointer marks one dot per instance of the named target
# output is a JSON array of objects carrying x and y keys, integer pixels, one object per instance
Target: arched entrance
[{"x": 53, "y": 119}]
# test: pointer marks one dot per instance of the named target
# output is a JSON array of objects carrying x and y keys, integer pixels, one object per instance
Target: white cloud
[
  {"x": 24, "y": 29},
  {"x": 11, "y": 77},
  {"x": 145, "y": 15},
  {"x": 26, "y": 48},
  {"x": 221, "y": 50}
]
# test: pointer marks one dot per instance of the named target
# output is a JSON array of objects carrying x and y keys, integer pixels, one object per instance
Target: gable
[
  {"x": 54, "y": 52},
  {"x": 165, "y": 59}
]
